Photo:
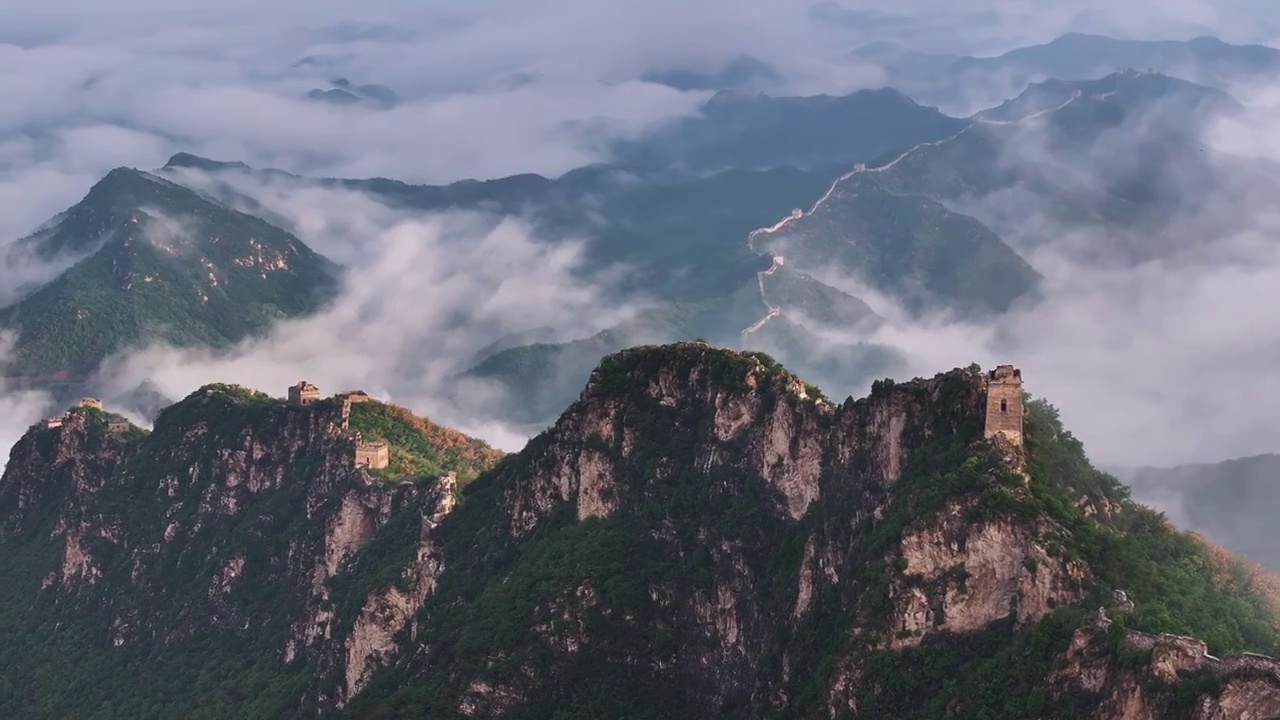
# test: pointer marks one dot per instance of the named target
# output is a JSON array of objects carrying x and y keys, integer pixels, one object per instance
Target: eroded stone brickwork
[
  {"x": 372, "y": 455},
  {"x": 1004, "y": 404},
  {"x": 303, "y": 393}
]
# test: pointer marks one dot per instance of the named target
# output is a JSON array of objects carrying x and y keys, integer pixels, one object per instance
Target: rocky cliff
[
  {"x": 1162, "y": 676},
  {"x": 227, "y": 527},
  {"x": 702, "y": 534}
]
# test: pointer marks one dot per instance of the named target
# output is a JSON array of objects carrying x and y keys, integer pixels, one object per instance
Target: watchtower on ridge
[
  {"x": 303, "y": 393},
  {"x": 1004, "y": 404},
  {"x": 372, "y": 455}
]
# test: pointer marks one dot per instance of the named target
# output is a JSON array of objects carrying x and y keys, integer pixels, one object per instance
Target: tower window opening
[{"x": 1004, "y": 406}]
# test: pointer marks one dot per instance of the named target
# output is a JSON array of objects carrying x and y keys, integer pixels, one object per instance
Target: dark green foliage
[
  {"x": 614, "y": 562},
  {"x": 621, "y": 561},
  {"x": 197, "y": 668},
  {"x": 996, "y": 674},
  {"x": 190, "y": 652},
  {"x": 1058, "y": 460}
]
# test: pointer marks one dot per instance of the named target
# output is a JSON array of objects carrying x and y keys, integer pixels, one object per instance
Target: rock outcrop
[
  {"x": 963, "y": 575},
  {"x": 701, "y": 534},
  {"x": 256, "y": 502},
  {"x": 1243, "y": 687}
]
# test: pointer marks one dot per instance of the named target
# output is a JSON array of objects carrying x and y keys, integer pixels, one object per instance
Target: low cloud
[
  {"x": 1157, "y": 343},
  {"x": 1153, "y": 365},
  {"x": 19, "y": 408},
  {"x": 423, "y": 296}
]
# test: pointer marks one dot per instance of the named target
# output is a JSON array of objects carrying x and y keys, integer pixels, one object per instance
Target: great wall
[{"x": 373, "y": 455}]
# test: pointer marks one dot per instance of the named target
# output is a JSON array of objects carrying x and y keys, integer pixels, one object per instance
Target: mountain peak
[
  {"x": 157, "y": 261},
  {"x": 118, "y": 183},
  {"x": 188, "y": 160},
  {"x": 683, "y": 362},
  {"x": 750, "y": 131},
  {"x": 108, "y": 204}
]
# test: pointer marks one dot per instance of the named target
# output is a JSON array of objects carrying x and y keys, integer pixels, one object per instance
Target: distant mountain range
[
  {"x": 1115, "y": 160},
  {"x": 342, "y": 91},
  {"x": 1119, "y": 165},
  {"x": 742, "y": 73},
  {"x": 963, "y": 84},
  {"x": 757, "y": 254},
  {"x": 745, "y": 131},
  {"x": 1233, "y": 503}
]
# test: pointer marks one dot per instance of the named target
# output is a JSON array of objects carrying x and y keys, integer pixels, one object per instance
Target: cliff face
[
  {"x": 703, "y": 535},
  {"x": 1147, "y": 686},
  {"x": 700, "y": 535},
  {"x": 230, "y": 524}
]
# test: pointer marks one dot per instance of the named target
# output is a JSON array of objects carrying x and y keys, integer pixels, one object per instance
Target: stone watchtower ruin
[
  {"x": 1004, "y": 404},
  {"x": 371, "y": 455},
  {"x": 304, "y": 393}
]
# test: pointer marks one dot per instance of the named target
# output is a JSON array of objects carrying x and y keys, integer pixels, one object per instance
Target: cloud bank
[
  {"x": 423, "y": 295},
  {"x": 1157, "y": 342},
  {"x": 491, "y": 87}
]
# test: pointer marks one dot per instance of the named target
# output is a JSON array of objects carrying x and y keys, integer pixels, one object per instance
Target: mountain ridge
[
  {"x": 918, "y": 227},
  {"x": 155, "y": 260},
  {"x": 696, "y": 508},
  {"x": 960, "y": 82}
]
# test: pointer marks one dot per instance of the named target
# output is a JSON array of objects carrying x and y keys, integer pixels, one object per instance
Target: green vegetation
[
  {"x": 637, "y": 595},
  {"x": 184, "y": 271},
  {"x": 163, "y": 671},
  {"x": 800, "y": 293},
  {"x": 995, "y": 674},
  {"x": 998, "y": 673},
  {"x": 1178, "y": 583},
  {"x": 230, "y": 475},
  {"x": 420, "y": 448}
]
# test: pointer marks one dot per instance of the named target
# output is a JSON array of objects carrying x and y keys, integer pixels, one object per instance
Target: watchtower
[
  {"x": 1004, "y": 404},
  {"x": 89, "y": 402},
  {"x": 304, "y": 393},
  {"x": 372, "y": 455}
]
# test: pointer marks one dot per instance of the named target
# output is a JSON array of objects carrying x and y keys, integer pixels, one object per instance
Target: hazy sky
[
  {"x": 92, "y": 85},
  {"x": 492, "y": 88}
]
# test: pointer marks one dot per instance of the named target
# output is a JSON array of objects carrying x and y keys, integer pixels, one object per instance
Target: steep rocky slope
[
  {"x": 702, "y": 534},
  {"x": 189, "y": 571}
]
